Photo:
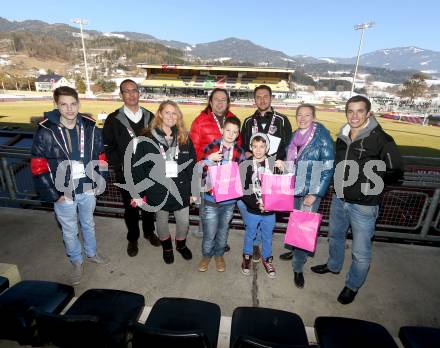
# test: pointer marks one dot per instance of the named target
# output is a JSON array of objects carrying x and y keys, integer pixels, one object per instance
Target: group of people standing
[{"x": 155, "y": 160}]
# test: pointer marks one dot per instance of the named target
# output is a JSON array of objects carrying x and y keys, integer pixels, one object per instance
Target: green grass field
[{"x": 412, "y": 139}]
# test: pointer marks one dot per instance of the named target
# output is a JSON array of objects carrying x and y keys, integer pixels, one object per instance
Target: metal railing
[{"x": 405, "y": 213}]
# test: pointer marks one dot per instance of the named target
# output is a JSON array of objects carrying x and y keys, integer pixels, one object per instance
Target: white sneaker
[
  {"x": 98, "y": 258},
  {"x": 77, "y": 272}
]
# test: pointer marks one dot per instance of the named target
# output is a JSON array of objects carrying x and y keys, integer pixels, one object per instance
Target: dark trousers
[{"x": 131, "y": 217}]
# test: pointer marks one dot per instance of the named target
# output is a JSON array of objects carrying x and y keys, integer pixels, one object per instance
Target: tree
[
  {"x": 414, "y": 87},
  {"x": 301, "y": 78},
  {"x": 80, "y": 85},
  {"x": 106, "y": 86}
]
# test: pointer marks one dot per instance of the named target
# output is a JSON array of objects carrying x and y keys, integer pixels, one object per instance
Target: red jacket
[{"x": 204, "y": 130}]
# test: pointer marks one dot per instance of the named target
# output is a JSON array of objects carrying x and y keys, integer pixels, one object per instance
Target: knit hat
[{"x": 264, "y": 136}]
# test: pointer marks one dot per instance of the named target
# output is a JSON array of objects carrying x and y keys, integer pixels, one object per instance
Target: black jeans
[{"x": 131, "y": 217}]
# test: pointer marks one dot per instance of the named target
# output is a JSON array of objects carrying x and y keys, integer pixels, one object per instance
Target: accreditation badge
[
  {"x": 78, "y": 170},
  {"x": 171, "y": 169}
]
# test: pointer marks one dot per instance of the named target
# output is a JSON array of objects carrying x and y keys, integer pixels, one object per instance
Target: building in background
[{"x": 47, "y": 83}]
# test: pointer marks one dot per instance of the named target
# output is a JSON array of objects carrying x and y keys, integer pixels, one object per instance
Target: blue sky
[{"x": 318, "y": 28}]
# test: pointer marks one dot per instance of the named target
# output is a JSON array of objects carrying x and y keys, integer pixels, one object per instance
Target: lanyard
[
  {"x": 231, "y": 152},
  {"x": 132, "y": 135},
  {"x": 272, "y": 129},
  {"x": 218, "y": 123},
  {"x": 164, "y": 155},
  {"x": 256, "y": 183},
  {"x": 81, "y": 141},
  {"x": 295, "y": 151}
]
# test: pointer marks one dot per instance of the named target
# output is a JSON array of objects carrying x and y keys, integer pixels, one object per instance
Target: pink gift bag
[
  {"x": 225, "y": 181},
  {"x": 277, "y": 191},
  {"x": 302, "y": 229}
]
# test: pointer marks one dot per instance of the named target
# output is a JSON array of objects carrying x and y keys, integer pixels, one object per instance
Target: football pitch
[{"x": 412, "y": 139}]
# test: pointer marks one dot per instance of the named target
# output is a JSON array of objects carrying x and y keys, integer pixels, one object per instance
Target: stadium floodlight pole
[
  {"x": 362, "y": 28},
  {"x": 82, "y": 22}
]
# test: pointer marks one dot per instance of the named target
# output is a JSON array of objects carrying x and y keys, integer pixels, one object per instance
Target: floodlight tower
[
  {"x": 82, "y": 22},
  {"x": 362, "y": 28}
]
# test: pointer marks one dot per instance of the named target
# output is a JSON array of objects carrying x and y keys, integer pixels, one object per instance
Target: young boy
[
  {"x": 216, "y": 216},
  {"x": 257, "y": 217}
]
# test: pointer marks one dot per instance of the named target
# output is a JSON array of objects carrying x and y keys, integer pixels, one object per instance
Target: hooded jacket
[
  {"x": 49, "y": 149},
  {"x": 372, "y": 143},
  {"x": 164, "y": 193}
]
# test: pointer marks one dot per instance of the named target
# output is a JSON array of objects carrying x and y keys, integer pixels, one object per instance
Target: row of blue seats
[{"x": 30, "y": 313}]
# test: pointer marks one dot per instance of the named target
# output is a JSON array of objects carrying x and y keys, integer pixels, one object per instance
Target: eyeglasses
[{"x": 130, "y": 91}]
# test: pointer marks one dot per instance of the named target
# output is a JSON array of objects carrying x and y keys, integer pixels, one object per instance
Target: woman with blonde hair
[{"x": 164, "y": 160}]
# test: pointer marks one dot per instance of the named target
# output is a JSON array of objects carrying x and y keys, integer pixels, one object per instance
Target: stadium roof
[{"x": 214, "y": 68}]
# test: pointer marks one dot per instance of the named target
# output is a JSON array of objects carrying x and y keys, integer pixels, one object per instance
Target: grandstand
[{"x": 197, "y": 80}]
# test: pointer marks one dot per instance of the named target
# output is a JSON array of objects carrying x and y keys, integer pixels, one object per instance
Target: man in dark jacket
[
  {"x": 266, "y": 120},
  {"x": 65, "y": 154},
  {"x": 366, "y": 158},
  {"x": 120, "y": 128}
]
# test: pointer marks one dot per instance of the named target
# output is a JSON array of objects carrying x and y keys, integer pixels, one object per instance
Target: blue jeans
[
  {"x": 243, "y": 211},
  {"x": 263, "y": 223},
  {"x": 215, "y": 222},
  {"x": 67, "y": 214},
  {"x": 362, "y": 219},
  {"x": 300, "y": 255}
]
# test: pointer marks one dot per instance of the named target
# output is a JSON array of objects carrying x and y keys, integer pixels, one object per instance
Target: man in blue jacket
[
  {"x": 362, "y": 148},
  {"x": 65, "y": 152}
]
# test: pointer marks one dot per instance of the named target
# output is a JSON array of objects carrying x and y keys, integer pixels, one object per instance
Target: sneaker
[
  {"x": 98, "y": 258},
  {"x": 246, "y": 265},
  {"x": 204, "y": 263},
  {"x": 220, "y": 263},
  {"x": 268, "y": 267},
  {"x": 256, "y": 256},
  {"x": 75, "y": 277}
]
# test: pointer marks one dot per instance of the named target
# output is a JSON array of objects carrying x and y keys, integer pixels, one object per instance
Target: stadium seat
[
  {"x": 179, "y": 322},
  {"x": 265, "y": 327},
  {"x": 419, "y": 337},
  {"x": 16, "y": 317},
  {"x": 98, "y": 318},
  {"x": 4, "y": 284},
  {"x": 337, "y": 332}
]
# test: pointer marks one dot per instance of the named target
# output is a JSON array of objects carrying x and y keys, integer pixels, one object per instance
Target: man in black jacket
[
  {"x": 366, "y": 158},
  {"x": 121, "y": 126}
]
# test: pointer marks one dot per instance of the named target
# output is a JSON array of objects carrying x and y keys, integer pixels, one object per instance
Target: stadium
[{"x": 193, "y": 80}]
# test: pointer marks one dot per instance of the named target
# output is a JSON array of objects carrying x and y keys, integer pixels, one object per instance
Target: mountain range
[{"x": 239, "y": 51}]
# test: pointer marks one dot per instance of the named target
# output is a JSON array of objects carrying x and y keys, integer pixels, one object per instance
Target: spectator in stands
[
  {"x": 65, "y": 144},
  {"x": 208, "y": 126},
  {"x": 216, "y": 216},
  {"x": 363, "y": 142},
  {"x": 167, "y": 148},
  {"x": 120, "y": 127},
  {"x": 278, "y": 129},
  {"x": 311, "y": 149}
]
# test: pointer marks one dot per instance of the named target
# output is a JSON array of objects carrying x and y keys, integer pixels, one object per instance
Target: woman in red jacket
[{"x": 208, "y": 126}]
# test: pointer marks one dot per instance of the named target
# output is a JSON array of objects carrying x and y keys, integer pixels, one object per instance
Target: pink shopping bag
[
  {"x": 302, "y": 229},
  {"x": 277, "y": 191},
  {"x": 225, "y": 181}
]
